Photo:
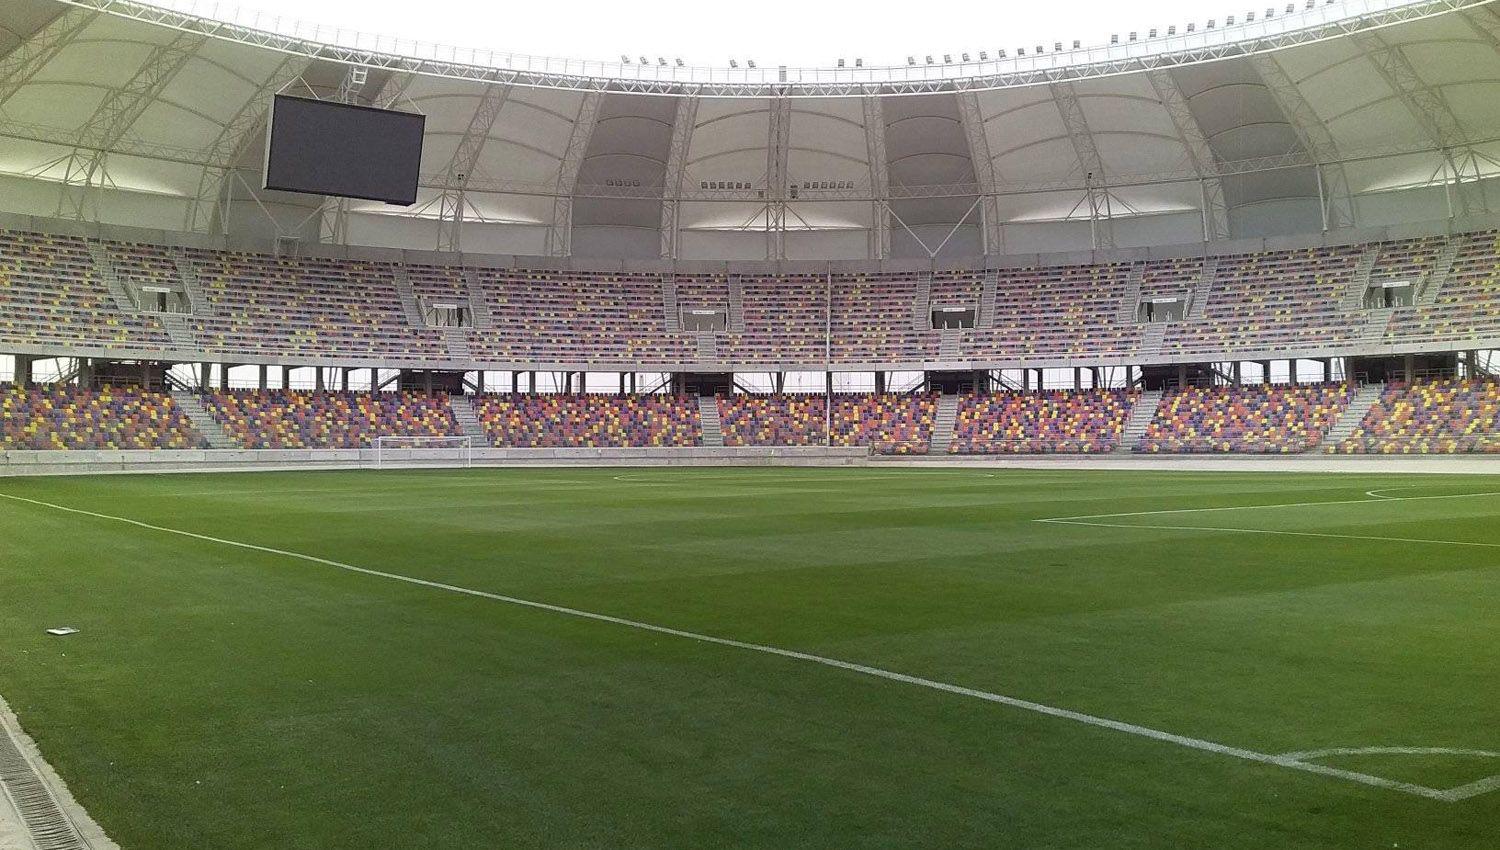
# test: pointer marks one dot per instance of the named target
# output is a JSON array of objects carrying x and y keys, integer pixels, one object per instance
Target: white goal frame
[{"x": 398, "y": 442}]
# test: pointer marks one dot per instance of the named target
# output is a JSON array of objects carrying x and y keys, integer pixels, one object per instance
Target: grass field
[{"x": 222, "y": 696}]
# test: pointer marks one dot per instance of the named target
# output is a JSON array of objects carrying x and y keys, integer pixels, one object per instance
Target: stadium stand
[
  {"x": 61, "y": 416},
  {"x": 773, "y": 420},
  {"x": 1466, "y": 307},
  {"x": 278, "y": 306},
  {"x": 50, "y": 295},
  {"x": 1263, "y": 419},
  {"x": 295, "y": 419},
  {"x": 577, "y": 420},
  {"x": 1263, "y": 304},
  {"x": 1052, "y": 422},
  {"x": 1445, "y": 416},
  {"x": 889, "y": 423},
  {"x": 1274, "y": 302}
]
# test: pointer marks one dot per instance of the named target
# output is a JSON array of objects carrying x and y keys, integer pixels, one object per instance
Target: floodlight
[
  {"x": 947, "y": 58},
  {"x": 734, "y": 63},
  {"x": 625, "y": 59},
  {"x": 750, "y": 63},
  {"x": 911, "y": 60},
  {"x": 984, "y": 56},
  {"x": 1152, "y": 33},
  {"x": 1172, "y": 30},
  {"x": 841, "y": 63},
  {"x": 965, "y": 57},
  {"x": 859, "y": 62},
  {"x": 1077, "y": 44}
]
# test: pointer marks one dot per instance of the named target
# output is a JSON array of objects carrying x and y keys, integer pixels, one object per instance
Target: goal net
[{"x": 398, "y": 448}]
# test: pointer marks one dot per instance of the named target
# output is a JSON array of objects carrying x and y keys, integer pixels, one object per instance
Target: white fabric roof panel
[{"x": 1455, "y": 56}]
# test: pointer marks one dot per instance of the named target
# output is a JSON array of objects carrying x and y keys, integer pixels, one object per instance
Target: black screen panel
[{"x": 326, "y": 148}]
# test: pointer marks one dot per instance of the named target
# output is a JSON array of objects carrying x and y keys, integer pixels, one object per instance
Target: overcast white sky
[{"x": 786, "y": 32}]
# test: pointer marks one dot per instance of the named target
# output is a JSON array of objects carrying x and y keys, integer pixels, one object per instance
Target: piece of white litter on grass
[{"x": 63, "y": 631}]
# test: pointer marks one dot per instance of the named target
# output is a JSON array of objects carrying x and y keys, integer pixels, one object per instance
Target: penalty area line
[{"x": 1284, "y": 761}]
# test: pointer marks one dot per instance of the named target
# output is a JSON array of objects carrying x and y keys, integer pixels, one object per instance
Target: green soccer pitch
[{"x": 769, "y": 658}]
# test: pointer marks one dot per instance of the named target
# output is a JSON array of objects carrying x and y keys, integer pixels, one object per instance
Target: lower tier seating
[
  {"x": 295, "y": 419},
  {"x": 1059, "y": 421},
  {"x": 60, "y": 416},
  {"x": 589, "y": 421},
  {"x": 1442, "y": 416},
  {"x": 1446, "y": 416},
  {"x": 894, "y": 423},
  {"x": 1263, "y": 419}
]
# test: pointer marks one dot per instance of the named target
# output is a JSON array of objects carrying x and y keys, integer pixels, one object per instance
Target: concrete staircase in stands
[
  {"x": 670, "y": 313},
  {"x": 708, "y": 347},
  {"x": 1354, "y": 295},
  {"x": 409, "y": 306},
  {"x": 188, "y": 275},
  {"x": 948, "y": 344},
  {"x": 1140, "y": 416},
  {"x": 479, "y": 309},
  {"x": 736, "y": 317},
  {"x": 708, "y": 422},
  {"x": 468, "y": 419},
  {"x": 192, "y": 406},
  {"x": 921, "y": 308},
  {"x": 1204, "y": 290},
  {"x": 104, "y": 267},
  {"x": 1130, "y": 306},
  {"x": 1343, "y": 427},
  {"x": 176, "y": 326},
  {"x": 457, "y": 341},
  {"x": 1442, "y": 267},
  {"x": 942, "y": 425},
  {"x": 987, "y": 297}
]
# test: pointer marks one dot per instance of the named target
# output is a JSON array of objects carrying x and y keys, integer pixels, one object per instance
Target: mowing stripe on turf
[
  {"x": 1265, "y": 507},
  {"x": 1374, "y": 499},
  {"x": 1446, "y": 795}
]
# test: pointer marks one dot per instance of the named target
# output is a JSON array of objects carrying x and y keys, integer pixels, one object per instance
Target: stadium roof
[{"x": 1356, "y": 113}]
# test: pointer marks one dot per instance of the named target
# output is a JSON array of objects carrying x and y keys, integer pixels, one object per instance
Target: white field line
[
  {"x": 959, "y": 690},
  {"x": 1461, "y": 792}
]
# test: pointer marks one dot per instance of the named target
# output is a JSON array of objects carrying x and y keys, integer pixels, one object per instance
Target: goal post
[{"x": 390, "y": 448}]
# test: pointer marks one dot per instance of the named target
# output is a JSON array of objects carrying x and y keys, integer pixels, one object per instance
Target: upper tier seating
[
  {"x": 1263, "y": 419},
  {"x": 50, "y": 296},
  {"x": 297, "y": 419},
  {"x": 255, "y": 305},
  {"x": 580, "y": 420},
  {"x": 1055, "y": 421},
  {"x": 1053, "y": 311},
  {"x": 1274, "y": 301},
  {"x": 1467, "y": 307},
  {"x": 575, "y": 317},
  {"x": 61, "y": 416},
  {"x": 266, "y": 305},
  {"x": 1431, "y": 417}
]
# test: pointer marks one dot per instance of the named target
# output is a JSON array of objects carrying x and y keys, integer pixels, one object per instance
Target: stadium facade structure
[
  {"x": 1365, "y": 113},
  {"x": 1345, "y": 131}
]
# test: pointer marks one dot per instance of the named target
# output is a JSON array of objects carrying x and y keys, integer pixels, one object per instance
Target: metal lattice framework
[
  {"x": 31, "y": 55},
  {"x": 1200, "y": 154},
  {"x": 880, "y": 177},
  {"x": 1095, "y": 185},
  {"x": 560, "y": 228},
  {"x": 237, "y": 134},
  {"x": 1431, "y": 110},
  {"x": 456, "y": 180},
  {"x": 1335, "y": 197},
  {"x": 972, "y": 118},
  {"x": 1307, "y": 26},
  {"x": 683, "y": 123},
  {"x": 115, "y": 114},
  {"x": 778, "y": 147}
]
